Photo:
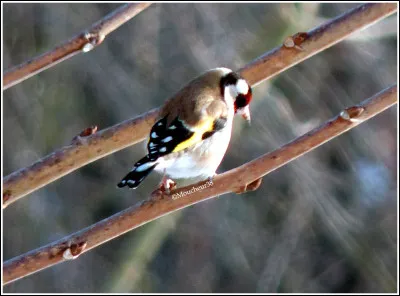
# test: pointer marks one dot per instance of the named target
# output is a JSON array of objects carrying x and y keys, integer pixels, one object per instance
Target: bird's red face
[
  {"x": 241, "y": 92},
  {"x": 242, "y": 103}
]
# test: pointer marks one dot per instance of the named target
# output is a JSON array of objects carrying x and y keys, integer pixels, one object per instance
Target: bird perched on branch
[{"x": 190, "y": 137}]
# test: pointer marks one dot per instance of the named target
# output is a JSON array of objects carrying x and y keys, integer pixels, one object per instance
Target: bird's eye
[{"x": 241, "y": 101}]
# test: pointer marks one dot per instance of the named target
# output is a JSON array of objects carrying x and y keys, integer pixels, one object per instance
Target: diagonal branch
[
  {"x": 157, "y": 206},
  {"x": 83, "y": 42},
  {"x": 107, "y": 141},
  {"x": 314, "y": 41}
]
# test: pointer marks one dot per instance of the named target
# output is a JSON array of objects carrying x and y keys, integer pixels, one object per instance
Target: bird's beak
[{"x": 245, "y": 112}]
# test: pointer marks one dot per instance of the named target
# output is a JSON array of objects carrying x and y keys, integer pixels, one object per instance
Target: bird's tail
[{"x": 139, "y": 171}]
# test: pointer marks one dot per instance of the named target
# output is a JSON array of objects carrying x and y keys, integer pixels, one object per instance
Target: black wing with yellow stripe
[{"x": 165, "y": 139}]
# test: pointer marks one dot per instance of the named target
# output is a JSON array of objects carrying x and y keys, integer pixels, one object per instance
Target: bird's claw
[
  {"x": 164, "y": 189},
  {"x": 167, "y": 185}
]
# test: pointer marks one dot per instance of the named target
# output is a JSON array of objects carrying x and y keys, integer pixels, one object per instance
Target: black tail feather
[{"x": 140, "y": 171}]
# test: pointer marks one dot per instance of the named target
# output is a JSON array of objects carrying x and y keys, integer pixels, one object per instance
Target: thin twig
[
  {"x": 83, "y": 42},
  {"x": 107, "y": 141},
  {"x": 157, "y": 206}
]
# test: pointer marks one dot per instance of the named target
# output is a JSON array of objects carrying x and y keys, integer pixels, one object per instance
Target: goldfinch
[{"x": 192, "y": 133}]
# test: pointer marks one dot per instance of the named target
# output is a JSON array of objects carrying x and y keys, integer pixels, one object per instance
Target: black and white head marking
[{"x": 239, "y": 89}]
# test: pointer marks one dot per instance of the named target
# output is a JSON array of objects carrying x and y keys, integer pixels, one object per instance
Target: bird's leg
[{"x": 167, "y": 185}]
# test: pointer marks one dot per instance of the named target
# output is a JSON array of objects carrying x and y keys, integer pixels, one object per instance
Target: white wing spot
[
  {"x": 159, "y": 124},
  {"x": 154, "y": 135},
  {"x": 151, "y": 145},
  {"x": 144, "y": 167},
  {"x": 167, "y": 139},
  {"x": 131, "y": 182},
  {"x": 242, "y": 86},
  {"x": 123, "y": 182},
  {"x": 172, "y": 127},
  {"x": 163, "y": 149}
]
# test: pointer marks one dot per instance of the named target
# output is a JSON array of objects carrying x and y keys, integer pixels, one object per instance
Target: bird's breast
[{"x": 200, "y": 160}]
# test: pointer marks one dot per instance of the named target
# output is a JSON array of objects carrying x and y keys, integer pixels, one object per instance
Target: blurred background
[{"x": 326, "y": 222}]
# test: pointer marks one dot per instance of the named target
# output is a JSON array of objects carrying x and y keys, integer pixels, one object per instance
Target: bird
[{"x": 192, "y": 132}]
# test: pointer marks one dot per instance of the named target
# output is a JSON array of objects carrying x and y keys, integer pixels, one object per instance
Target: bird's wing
[{"x": 167, "y": 137}]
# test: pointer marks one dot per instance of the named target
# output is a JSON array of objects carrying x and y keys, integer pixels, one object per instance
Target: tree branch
[
  {"x": 157, "y": 206},
  {"x": 314, "y": 41},
  {"x": 83, "y": 42},
  {"x": 107, "y": 141}
]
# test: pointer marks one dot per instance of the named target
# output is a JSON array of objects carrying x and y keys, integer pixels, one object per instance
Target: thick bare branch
[
  {"x": 83, "y": 42},
  {"x": 82, "y": 150},
  {"x": 312, "y": 42},
  {"x": 157, "y": 206},
  {"x": 70, "y": 158}
]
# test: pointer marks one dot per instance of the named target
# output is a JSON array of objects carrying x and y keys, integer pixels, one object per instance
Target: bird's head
[{"x": 240, "y": 91}]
